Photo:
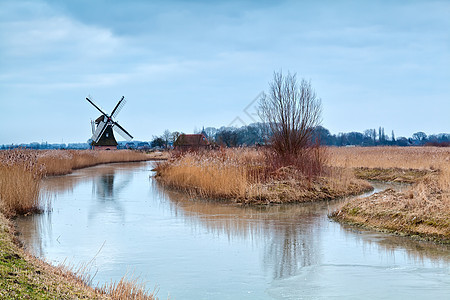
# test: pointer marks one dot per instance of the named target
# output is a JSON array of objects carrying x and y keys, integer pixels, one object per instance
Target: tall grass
[
  {"x": 20, "y": 176},
  {"x": 21, "y": 172},
  {"x": 255, "y": 176},
  {"x": 57, "y": 162},
  {"x": 431, "y": 158},
  {"x": 215, "y": 174},
  {"x": 422, "y": 210}
]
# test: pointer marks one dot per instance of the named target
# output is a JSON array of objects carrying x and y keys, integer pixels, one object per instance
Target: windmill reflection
[{"x": 106, "y": 189}]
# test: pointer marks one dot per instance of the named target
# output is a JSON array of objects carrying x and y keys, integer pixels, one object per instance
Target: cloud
[{"x": 201, "y": 62}]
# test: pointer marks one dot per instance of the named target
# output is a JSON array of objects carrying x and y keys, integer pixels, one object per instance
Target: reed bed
[
  {"x": 430, "y": 158},
  {"x": 422, "y": 211},
  {"x": 20, "y": 176},
  {"x": 57, "y": 162},
  {"x": 21, "y": 172},
  {"x": 23, "y": 276},
  {"x": 212, "y": 174},
  {"x": 251, "y": 176}
]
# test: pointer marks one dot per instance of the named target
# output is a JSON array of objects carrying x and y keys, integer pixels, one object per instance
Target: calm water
[{"x": 120, "y": 220}]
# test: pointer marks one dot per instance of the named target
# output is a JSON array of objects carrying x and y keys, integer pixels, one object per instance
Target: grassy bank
[
  {"x": 23, "y": 276},
  {"x": 423, "y": 211},
  {"x": 246, "y": 176}
]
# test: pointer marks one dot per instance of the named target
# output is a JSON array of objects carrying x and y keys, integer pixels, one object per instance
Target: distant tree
[
  {"x": 419, "y": 136},
  {"x": 210, "y": 132},
  {"x": 166, "y": 137},
  {"x": 393, "y": 137},
  {"x": 227, "y": 137},
  {"x": 158, "y": 142},
  {"x": 174, "y": 136}
]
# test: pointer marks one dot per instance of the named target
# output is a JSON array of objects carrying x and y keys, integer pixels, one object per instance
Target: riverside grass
[
  {"x": 22, "y": 170},
  {"x": 245, "y": 176},
  {"x": 422, "y": 211},
  {"x": 23, "y": 276}
]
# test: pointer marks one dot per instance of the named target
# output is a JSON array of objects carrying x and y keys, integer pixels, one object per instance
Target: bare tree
[
  {"x": 291, "y": 110},
  {"x": 166, "y": 137}
]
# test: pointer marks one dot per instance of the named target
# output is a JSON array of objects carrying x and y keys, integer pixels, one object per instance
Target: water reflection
[
  {"x": 292, "y": 234},
  {"x": 198, "y": 249},
  {"x": 107, "y": 183}
]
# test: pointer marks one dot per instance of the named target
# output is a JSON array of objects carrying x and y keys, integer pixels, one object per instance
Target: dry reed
[
  {"x": 128, "y": 288},
  {"x": 21, "y": 172},
  {"x": 213, "y": 174},
  {"x": 20, "y": 176},
  {"x": 424, "y": 210},
  {"x": 250, "y": 176}
]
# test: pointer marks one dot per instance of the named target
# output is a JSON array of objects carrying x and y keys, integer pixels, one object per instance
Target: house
[{"x": 187, "y": 142}]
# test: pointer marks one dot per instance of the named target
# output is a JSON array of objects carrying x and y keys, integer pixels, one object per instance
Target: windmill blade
[
  {"x": 120, "y": 130},
  {"x": 118, "y": 107},
  {"x": 93, "y": 126},
  {"x": 96, "y": 106},
  {"x": 99, "y": 131}
]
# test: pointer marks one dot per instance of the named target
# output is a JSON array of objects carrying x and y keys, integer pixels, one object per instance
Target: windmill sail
[
  {"x": 102, "y": 135},
  {"x": 120, "y": 130},
  {"x": 96, "y": 106},
  {"x": 118, "y": 107},
  {"x": 99, "y": 131}
]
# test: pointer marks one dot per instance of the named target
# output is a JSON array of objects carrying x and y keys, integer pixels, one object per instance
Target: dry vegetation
[
  {"x": 248, "y": 176},
  {"x": 21, "y": 172},
  {"x": 23, "y": 276},
  {"x": 252, "y": 176},
  {"x": 423, "y": 211}
]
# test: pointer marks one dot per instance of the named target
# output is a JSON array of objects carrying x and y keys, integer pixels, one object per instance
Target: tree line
[{"x": 257, "y": 133}]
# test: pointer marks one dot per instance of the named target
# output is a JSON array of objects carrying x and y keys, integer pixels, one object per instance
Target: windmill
[{"x": 102, "y": 127}]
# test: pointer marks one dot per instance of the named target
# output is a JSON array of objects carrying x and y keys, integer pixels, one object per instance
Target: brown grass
[
  {"x": 57, "y": 162},
  {"x": 128, "y": 288},
  {"x": 23, "y": 276},
  {"x": 423, "y": 211},
  {"x": 421, "y": 158},
  {"x": 20, "y": 176},
  {"x": 21, "y": 172},
  {"x": 249, "y": 176}
]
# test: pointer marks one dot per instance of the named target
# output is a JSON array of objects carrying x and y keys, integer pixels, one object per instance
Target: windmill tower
[{"x": 103, "y": 136}]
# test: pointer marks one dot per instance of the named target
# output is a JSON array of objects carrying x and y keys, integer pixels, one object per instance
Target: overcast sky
[{"x": 184, "y": 65}]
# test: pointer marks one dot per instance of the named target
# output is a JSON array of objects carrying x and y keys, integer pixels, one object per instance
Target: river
[{"x": 117, "y": 219}]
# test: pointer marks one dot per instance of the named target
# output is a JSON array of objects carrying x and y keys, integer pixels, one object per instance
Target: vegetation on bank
[
  {"x": 422, "y": 211},
  {"x": 22, "y": 170},
  {"x": 291, "y": 169},
  {"x": 252, "y": 176},
  {"x": 23, "y": 276}
]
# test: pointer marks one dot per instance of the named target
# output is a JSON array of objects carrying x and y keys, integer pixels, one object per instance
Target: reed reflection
[
  {"x": 106, "y": 182},
  {"x": 289, "y": 233}
]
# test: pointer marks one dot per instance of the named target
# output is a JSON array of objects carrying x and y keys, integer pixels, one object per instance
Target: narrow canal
[{"x": 117, "y": 218}]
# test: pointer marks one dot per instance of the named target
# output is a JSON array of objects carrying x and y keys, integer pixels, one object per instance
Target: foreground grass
[
  {"x": 25, "y": 277},
  {"x": 423, "y": 211},
  {"x": 245, "y": 176}
]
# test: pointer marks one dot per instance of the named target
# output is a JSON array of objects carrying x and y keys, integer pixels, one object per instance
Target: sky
[{"x": 182, "y": 65}]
